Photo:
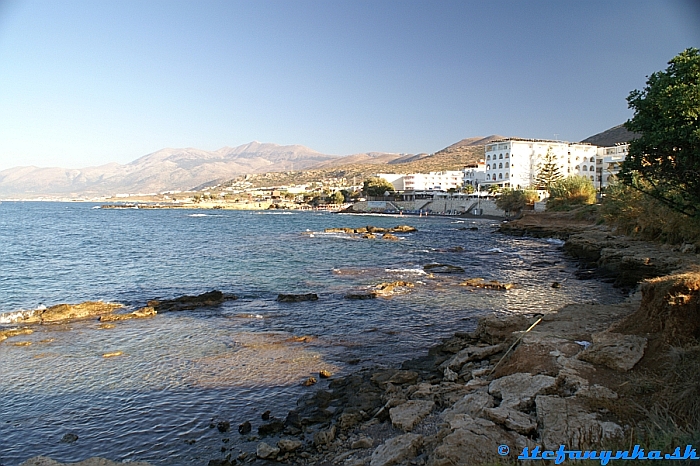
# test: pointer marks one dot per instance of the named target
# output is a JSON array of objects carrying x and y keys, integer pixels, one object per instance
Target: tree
[
  {"x": 469, "y": 189},
  {"x": 376, "y": 186},
  {"x": 514, "y": 200},
  {"x": 494, "y": 189},
  {"x": 337, "y": 198},
  {"x": 664, "y": 161},
  {"x": 548, "y": 172}
]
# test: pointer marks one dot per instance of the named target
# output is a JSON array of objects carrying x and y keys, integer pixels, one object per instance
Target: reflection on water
[{"x": 180, "y": 371}]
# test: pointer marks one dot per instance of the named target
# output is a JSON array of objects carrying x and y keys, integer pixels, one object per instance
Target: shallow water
[{"x": 180, "y": 371}]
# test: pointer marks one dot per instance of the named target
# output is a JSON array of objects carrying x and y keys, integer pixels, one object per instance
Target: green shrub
[{"x": 570, "y": 192}]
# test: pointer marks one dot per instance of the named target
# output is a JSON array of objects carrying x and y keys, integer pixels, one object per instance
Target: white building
[
  {"x": 608, "y": 163},
  {"x": 516, "y": 162},
  {"x": 474, "y": 175},
  {"x": 433, "y": 181}
]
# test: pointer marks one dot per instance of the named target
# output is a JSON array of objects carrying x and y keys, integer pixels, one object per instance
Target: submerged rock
[
  {"x": 5, "y": 334},
  {"x": 138, "y": 314},
  {"x": 187, "y": 302},
  {"x": 442, "y": 268},
  {"x": 63, "y": 312},
  {"x": 296, "y": 298},
  {"x": 490, "y": 285}
]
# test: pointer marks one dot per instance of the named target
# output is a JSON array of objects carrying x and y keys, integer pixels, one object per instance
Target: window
[
  {"x": 500, "y": 165},
  {"x": 506, "y": 164},
  {"x": 585, "y": 168},
  {"x": 506, "y": 154},
  {"x": 592, "y": 159},
  {"x": 592, "y": 168},
  {"x": 506, "y": 175},
  {"x": 500, "y": 156},
  {"x": 488, "y": 177},
  {"x": 488, "y": 167},
  {"x": 578, "y": 167},
  {"x": 500, "y": 176},
  {"x": 488, "y": 157},
  {"x": 591, "y": 177}
]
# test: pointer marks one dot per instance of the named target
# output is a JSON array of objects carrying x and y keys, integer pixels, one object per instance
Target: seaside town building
[
  {"x": 608, "y": 163},
  {"x": 433, "y": 181}
]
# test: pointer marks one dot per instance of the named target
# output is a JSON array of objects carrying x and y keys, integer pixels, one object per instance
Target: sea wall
[{"x": 449, "y": 206}]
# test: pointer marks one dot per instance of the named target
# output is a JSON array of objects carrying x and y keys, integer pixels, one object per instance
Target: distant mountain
[
  {"x": 610, "y": 137},
  {"x": 369, "y": 158},
  {"x": 164, "y": 170}
]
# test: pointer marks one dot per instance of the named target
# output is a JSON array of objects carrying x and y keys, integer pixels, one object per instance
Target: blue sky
[{"x": 90, "y": 82}]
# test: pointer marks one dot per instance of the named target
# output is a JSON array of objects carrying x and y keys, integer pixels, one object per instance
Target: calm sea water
[{"x": 181, "y": 371}]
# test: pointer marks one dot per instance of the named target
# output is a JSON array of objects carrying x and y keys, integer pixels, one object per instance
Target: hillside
[
  {"x": 164, "y": 170},
  {"x": 453, "y": 157},
  {"x": 610, "y": 137}
]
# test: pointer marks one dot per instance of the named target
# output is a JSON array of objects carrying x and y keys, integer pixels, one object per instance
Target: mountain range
[{"x": 190, "y": 168}]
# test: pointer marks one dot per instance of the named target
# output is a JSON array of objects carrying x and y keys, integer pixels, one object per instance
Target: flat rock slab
[
  {"x": 474, "y": 440},
  {"x": 519, "y": 390},
  {"x": 565, "y": 421},
  {"x": 407, "y": 415},
  {"x": 615, "y": 350},
  {"x": 472, "y": 404},
  {"x": 511, "y": 419},
  {"x": 473, "y": 353},
  {"x": 396, "y": 450}
]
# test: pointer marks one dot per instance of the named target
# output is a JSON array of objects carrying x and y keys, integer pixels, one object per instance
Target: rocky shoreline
[{"x": 520, "y": 381}]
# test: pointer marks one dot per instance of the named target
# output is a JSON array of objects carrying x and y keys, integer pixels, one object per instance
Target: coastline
[{"x": 469, "y": 395}]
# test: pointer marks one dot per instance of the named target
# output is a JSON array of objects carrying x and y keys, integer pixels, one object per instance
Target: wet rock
[
  {"x": 273, "y": 427},
  {"x": 296, "y": 298},
  {"x": 450, "y": 375},
  {"x": 614, "y": 350},
  {"x": 223, "y": 426},
  {"x": 495, "y": 329},
  {"x": 63, "y": 312},
  {"x": 369, "y": 236},
  {"x": 144, "y": 312},
  {"x": 511, "y": 419},
  {"x": 187, "y": 302},
  {"x": 556, "y": 285},
  {"x": 288, "y": 445},
  {"x": 324, "y": 374},
  {"x": 490, "y": 285},
  {"x": 394, "y": 376},
  {"x": 396, "y": 450},
  {"x": 309, "y": 382},
  {"x": 519, "y": 390},
  {"x": 403, "y": 229},
  {"x": 362, "y": 295},
  {"x": 266, "y": 452},
  {"x": 565, "y": 421},
  {"x": 389, "y": 236},
  {"x": 69, "y": 438},
  {"x": 407, "y": 415},
  {"x": 5, "y": 334},
  {"x": 266, "y": 415},
  {"x": 442, "y": 268},
  {"x": 245, "y": 428},
  {"x": 113, "y": 354}
]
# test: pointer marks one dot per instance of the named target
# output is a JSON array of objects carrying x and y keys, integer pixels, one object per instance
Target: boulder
[
  {"x": 615, "y": 350},
  {"x": 265, "y": 451},
  {"x": 325, "y": 437},
  {"x": 394, "y": 376},
  {"x": 297, "y": 298},
  {"x": 511, "y": 419},
  {"x": 565, "y": 421},
  {"x": 138, "y": 314},
  {"x": 403, "y": 229},
  {"x": 472, "y": 441},
  {"x": 472, "y": 404},
  {"x": 442, "y": 268},
  {"x": 288, "y": 445},
  {"x": 490, "y": 285},
  {"x": 362, "y": 442},
  {"x": 396, "y": 450},
  {"x": 362, "y": 295},
  {"x": 494, "y": 329},
  {"x": 183, "y": 303},
  {"x": 407, "y": 415},
  {"x": 389, "y": 236},
  {"x": 473, "y": 353},
  {"x": 519, "y": 390}
]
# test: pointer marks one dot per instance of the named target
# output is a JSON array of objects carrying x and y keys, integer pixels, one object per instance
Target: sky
[{"x": 85, "y": 83}]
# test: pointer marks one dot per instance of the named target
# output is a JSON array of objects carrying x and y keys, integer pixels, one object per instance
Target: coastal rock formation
[
  {"x": 614, "y": 350},
  {"x": 490, "y": 285},
  {"x": 442, "y": 268},
  {"x": 297, "y": 298},
  {"x": 65, "y": 312},
  {"x": 211, "y": 298},
  {"x": 371, "y": 232},
  {"x": 5, "y": 334},
  {"x": 138, "y": 314}
]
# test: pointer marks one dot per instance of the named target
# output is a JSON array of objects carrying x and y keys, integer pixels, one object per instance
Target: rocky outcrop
[
  {"x": 614, "y": 350},
  {"x": 396, "y": 450},
  {"x": 490, "y": 285},
  {"x": 5, "y": 334},
  {"x": 187, "y": 302},
  {"x": 371, "y": 232},
  {"x": 138, "y": 314},
  {"x": 442, "y": 268},
  {"x": 66, "y": 312},
  {"x": 297, "y": 298}
]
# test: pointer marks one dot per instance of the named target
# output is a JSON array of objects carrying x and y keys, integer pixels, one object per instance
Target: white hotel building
[{"x": 516, "y": 162}]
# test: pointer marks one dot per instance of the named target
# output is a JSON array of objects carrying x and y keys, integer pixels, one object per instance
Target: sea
[{"x": 182, "y": 373}]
